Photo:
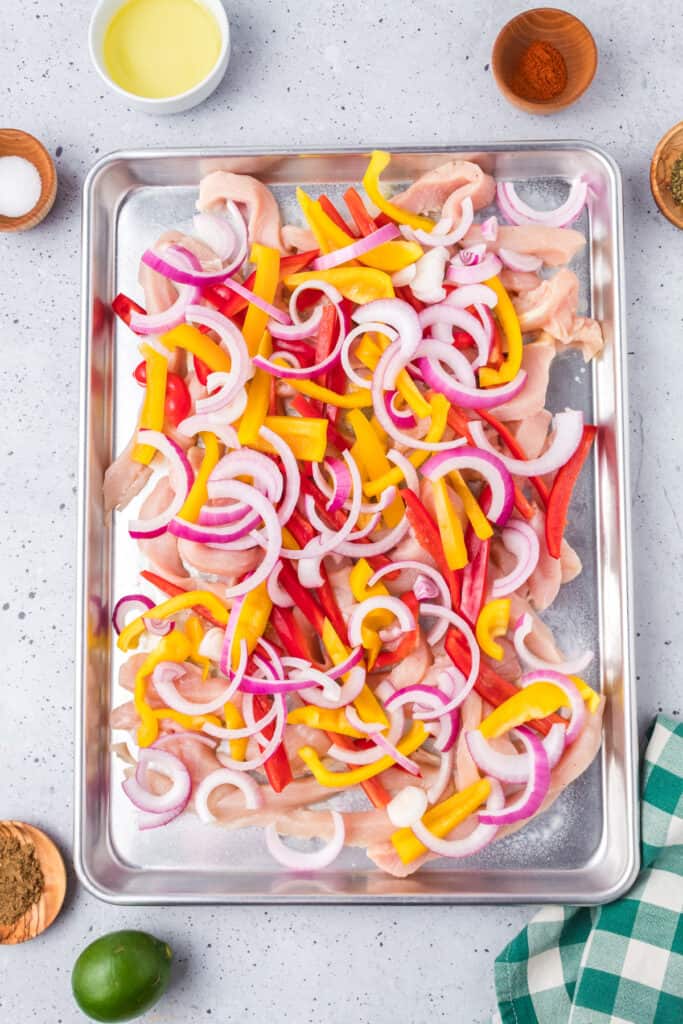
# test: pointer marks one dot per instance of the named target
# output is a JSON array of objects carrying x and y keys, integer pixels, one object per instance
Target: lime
[{"x": 120, "y": 975}]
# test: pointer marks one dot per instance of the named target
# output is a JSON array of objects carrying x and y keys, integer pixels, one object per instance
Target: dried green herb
[
  {"x": 21, "y": 877},
  {"x": 677, "y": 181}
]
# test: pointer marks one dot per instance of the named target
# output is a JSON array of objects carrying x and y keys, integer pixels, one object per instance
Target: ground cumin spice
[
  {"x": 21, "y": 877},
  {"x": 541, "y": 73}
]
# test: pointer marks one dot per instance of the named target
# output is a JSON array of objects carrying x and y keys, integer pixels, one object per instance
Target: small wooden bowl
[
  {"x": 41, "y": 915},
  {"x": 16, "y": 143},
  {"x": 567, "y": 34},
  {"x": 665, "y": 155}
]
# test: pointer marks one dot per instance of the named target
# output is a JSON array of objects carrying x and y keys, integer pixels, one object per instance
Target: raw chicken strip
[
  {"x": 554, "y": 246},
  {"x": 446, "y": 187},
  {"x": 519, "y": 280},
  {"x": 536, "y": 360},
  {"x": 123, "y": 479},
  {"x": 263, "y": 213},
  {"x": 295, "y": 237}
]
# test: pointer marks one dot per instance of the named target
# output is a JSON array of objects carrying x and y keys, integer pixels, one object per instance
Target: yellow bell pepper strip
[
  {"x": 366, "y": 704},
  {"x": 198, "y": 495},
  {"x": 359, "y": 284},
  {"x": 450, "y": 527},
  {"x": 200, "y": 345},
  {"x": 509, "y": 321},
  {"x": 369, "y": 353},
  {"x": 439, "y": 406},
  {"x": 373, "y": 458},
  {"x": 535, "y": 701},
  {"x": 328, "y": 719},
  {"x": 379, "y": 161},
  {"x": 338, "y": 780},
  {"x": 358, "y": 581},
  {"x": 234, "y": 720},
  {"x": 590, "y": 697},
  {"x": 258, "y": 397},
  {"x": 473, "y": 510},
  {"x": 128, "y": 638},
  {"x": 493, "y": 621},
  {"x": 390, "y": 257},
  {"x": 306, "y": 437},
  {"x": 251, "y": 622},
  {"x": 361, "y": 399},
  {"x": 441, "y": 819},
  {"x": 267, "y": 262},
  {"x": 152, "y": 412},
  {"x": 194, "y": 631}
]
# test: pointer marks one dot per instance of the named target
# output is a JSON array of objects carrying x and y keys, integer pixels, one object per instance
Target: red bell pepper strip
[
  {"x": 228, "y": 303},
  {"x": 302, "y": 531},
  {"x": 561, "y": 492},
  {"x": 178, "y": 402},
  {"x": 290, "y": 634},
  {"x": 515, "y": 449},
  {"x": 473, "y": 578},
  {"x": 489, "y": 685},
  {"x": 364, "y": 222},
  {"x": 123, "y": 307},
  {"x": 373, "y": 788},
  {"x": 201, "y": 370},
  {"x": 333, "y": 213},
  {"x": 277, "y": 768},
  {"x": 407, "y": 643},
  {"x": 172, "y": 589},
  {"x": 325, "y": 339},
  {"x": 406, "y": 294},
  {"x": 428, "y": 537},
  {"x": 303, "y": 599}
]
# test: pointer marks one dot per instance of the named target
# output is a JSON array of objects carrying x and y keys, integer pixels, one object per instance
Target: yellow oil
[{"x": 161, "y": 48}]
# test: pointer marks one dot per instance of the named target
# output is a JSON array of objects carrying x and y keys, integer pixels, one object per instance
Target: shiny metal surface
[{"x": 584, "y": 849}]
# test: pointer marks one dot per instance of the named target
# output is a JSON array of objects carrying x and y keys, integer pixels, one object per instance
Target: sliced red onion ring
[
  {"x": 400, "y": 417},
  {"x": 354, "y": 658},
  {"x": 302, "y": 372},
  {"x": 569, "y": 667},
  {"x": 131, "y": 604},
  {"x": 372, "y": 755},
  {"x": 440, "y": 589},
  {"x": 470, "y": 295},
  {"x": 371, "y": 604},
  {"x": 459, "y": 273},
  {"x": 407, "y": 807},
  {"x": 519, "y": 212},
  {"x": 473, "y": 255},
  {"x": 513, "y": 767},
  {"x": 255, "y": 300},
  {"x": 521, "y": 540},
  {"x": 564, "y": 683},
  {"x": 473, "y": 843},
  {"x": 489, "y": 229},
  {"x": 164, "y": 763},
  {"x": 331, "y": 541},
  {"x": 434, "y": 353},
  {"x": 295, "y": 860},
  {"x": 388, "y": 748},
  {"x": 225, "y": 777},
  {"x": 446, "y": 315},
  {"x": 488, "y": 465},
  {"x": 366, "y": 508},
  {"x": 181, "y": 478},
  {"x": 232, "y": 341},
  {"x": 519, "y": 260},
  {"x": 535, "y": 791},
  {"x": 357, "y": 332},
  {"x": 357, "y": 248},
  {"x": 164, "y": 678},
  {"x": 343, "y": 484},
  {"x": 397, "y": 314},
  {"x": 407, "y": 468},
  {"x": 176, "y": 270},
  {"x": 292, "y": 473},
  {"x": 270, "y": 746},
  {"x": 216, "y": 232},
  {"x": 160, "y": 323},
  {"x": 444, "y": 233},
  {"x": 182, "y": 734},
  {"x": 266, "y": 475},
  {"x": 311, "y": 677},
  {"x": 356, "y": 722},
  {"x": 217, "y": 423},
  {"x": 425, "y": 589},
  {"x": 245, "y": 731},
  {"x": 568, "y": 431},
  {"x": 380, "y": 547},
  {"x": 475, "y": 655},
  {"x": 277, "y": 594},
  {"x": 297, "y": 331},
  {"x": 443, "y": 777}
]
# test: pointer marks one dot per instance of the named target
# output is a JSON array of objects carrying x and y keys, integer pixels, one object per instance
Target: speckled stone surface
[{"x": 310, "y": 75}]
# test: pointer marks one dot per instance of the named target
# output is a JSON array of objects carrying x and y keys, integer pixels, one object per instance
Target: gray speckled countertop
[{"x": 309, "y": 75}]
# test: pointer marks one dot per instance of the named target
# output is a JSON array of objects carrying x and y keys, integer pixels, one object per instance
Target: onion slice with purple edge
[
  {"x": 431, "y": 354},
  {"x": 138, "y": 604},
  {"x": 569, "y": 667},
  {"x": 276, "y": 592},
  {"x": 195, "y": 275},
  {"x": 475, "y": 655},
  {"x": 564, "y": 683},
  {"x": 357, "y": 549},
  {"x": 513, "y": 767},
  {"x": 489, "y": 229},
  {"x": 216, "y": 232},
  {"x": 181, "y": 477},
  {"x": 399, "y": 417},
  {"x": 295, "y": 860},
  {"x": 429, "y": 698},
  {"x": 342, "y": 486},
  {"x": 447, "y": 315},
  {"x": 519, "y": 212},
  {"x": 397, "y": 314},
  {"x": 487, "y": 464},
  {"x": 568, "y": 431},
  {"x": 358, "y": 248},
  {"x": 299, "y": 330},
  {"x": 357, "y": 332},
  {"x": 225, "y": 777},
  {"x": 475, "y": 841},
  {"x": 444, "y": 233},
  {"x": 372, "y": 604},
  {"x": 426, "y": 571},
  {"x": 292, "y": 474},
  {"x": 309, "y": 372},
  {"x": 270, "y": 746},
  {"x": 160, "y": 323},
  {"x": 232, "y": 341},
  {"x": 519, "y": 260},
  {"x": 164, "y": 678},
  {"x": 331, "y": 541},
  {"x": 475, "y": 273},
  {"x": 161, "y": 761},
  {"x": 535, "y": 790},
  {"x": 521, "y": 540}
]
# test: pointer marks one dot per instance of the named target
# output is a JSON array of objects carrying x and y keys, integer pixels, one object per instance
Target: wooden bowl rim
[
  {"x": 57, "y": 877},
  {"x": 550, "y": 106},
  {"x": 36, "y": 214},
  {"x": 657, "y": 192}
]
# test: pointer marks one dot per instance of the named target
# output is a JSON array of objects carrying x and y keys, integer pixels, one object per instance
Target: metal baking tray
[{"x": 584, "y": 849}]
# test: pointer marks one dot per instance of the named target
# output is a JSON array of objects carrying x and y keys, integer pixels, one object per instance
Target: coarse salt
[{"x": 20, "y": 186}]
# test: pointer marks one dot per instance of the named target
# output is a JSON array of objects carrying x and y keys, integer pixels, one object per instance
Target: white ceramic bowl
[{"x": 99, "y": 22}]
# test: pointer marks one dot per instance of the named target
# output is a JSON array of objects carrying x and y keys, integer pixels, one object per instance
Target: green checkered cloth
[{"x": 622, "y": 962}]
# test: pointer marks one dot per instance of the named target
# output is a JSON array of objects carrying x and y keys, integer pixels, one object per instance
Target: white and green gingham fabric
[{"x": 621, "y": 963}]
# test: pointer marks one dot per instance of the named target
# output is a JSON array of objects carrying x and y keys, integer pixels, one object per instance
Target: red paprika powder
[{"x": 541, "y": 73}]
